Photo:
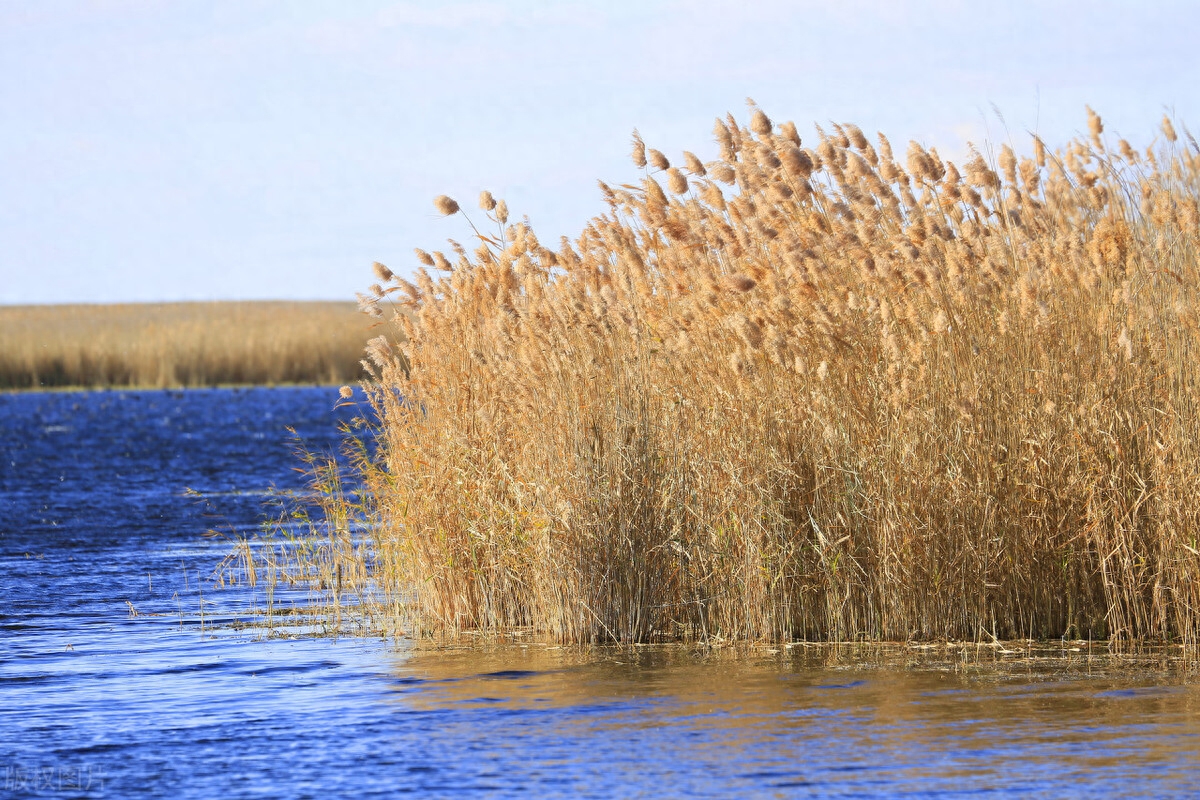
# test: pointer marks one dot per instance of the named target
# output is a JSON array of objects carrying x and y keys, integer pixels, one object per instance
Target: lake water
[{"x": 114, "y": 683}]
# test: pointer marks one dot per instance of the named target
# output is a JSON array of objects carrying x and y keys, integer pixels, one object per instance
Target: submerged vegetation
[
  {"x": 180, "y": 344},
  {"x": 800, "y": 392}
]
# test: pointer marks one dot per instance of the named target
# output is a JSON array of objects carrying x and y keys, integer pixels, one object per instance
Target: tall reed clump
[{"x": 808, "y": 392}]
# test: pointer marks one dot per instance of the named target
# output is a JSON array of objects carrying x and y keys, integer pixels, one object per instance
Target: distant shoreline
[
  {"x": 234, "y": 386},
  {"x": 180, "y": 345},
  {"x": 149, "y": 303}
]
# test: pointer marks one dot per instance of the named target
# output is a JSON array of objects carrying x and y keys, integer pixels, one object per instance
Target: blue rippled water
[{"x": 97, "y": 525}]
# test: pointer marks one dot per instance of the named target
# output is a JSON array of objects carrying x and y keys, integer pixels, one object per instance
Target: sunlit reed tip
[
  {"x": 382, "y": 272},
  {"x": 1095, "y": 127},
  {"x": 693, "y": 164},
  {"x": 1168, "y": 129},
  {"x": 638, "y": 150},
  {"x": 760, "y": 123},
  {"x": 676, "y": 181}
]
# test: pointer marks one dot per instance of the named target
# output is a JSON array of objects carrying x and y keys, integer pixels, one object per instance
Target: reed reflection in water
[{"x": 621, "y": 721}]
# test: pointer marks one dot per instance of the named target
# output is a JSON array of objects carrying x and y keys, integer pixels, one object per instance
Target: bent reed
[
  {"x": 163, "y": 345},
  {"x": 802, "y": 393}
]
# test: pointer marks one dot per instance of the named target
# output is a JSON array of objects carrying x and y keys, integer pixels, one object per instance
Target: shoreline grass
[
  {"x": 179, "y": 345},
  {"x": 800, "y": 392}
]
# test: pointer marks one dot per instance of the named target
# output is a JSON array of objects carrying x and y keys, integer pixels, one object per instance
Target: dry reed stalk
[
  {"x": 180, "y": 344},
  {"x": 842, "y": 398}
]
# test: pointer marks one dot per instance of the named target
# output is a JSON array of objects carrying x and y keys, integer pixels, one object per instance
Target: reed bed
[
  {"x": 180, "y": 344},
  {"x": 803, "y": 391}
]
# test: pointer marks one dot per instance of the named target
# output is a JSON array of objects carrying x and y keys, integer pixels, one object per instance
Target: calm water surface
[{"x": 96, "y": 523}]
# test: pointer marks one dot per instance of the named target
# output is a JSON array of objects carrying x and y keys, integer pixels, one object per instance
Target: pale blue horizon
[{"x": 160, "y": 151}]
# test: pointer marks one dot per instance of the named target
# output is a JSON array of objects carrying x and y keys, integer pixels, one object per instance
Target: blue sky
[{"x": 186, "y": 150}]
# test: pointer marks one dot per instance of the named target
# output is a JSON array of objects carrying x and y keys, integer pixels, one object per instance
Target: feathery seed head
[
  {"x": 855, "y": 135},
  {"x": 725, "y": 141},
  {"x": 693, "y": 164},
  {"x": 379, "y": 351},
  {"x": 423, "y": 257},
  {"x": 951, "y": 186},
  {"x": 722, "y": 172},
  {"x": 827, "y": 152},
  {"x": 486, "y": 201},
  {"x": 655, "y": 197},
  {"x": 735, "y": 133},
  {"x": 345, "y": 392},
  {"x": 767, "y": 158},
  {"x": 871, "y": 156},
  {"x": 368, "y": 306},
  {"x": 657, "y": 159},
  {"x": 780, "y": 191},
  {"x": 760, "y": 123},
  {"x": 722, "y": 134},
  {"x": 741, "y": 282},
  {"x": 953, "y": 176},
  {"x": 712, "y": 195},
  {"x": 502, "y": 211},
  {"x": 920, "y": 165},
  {"x": 638, "y": 151},
  {"x": 980, "y": 175},
  {"x": 885, "y": 148},
  {"x": 796, "y": 161},
  {"x": 1168, "y": 129},
  {"x": 839, "y": 136},
  {"x": 445, "y": 205},
  {"x": 789, "y": 132},
  {"x": 1008, "y": 164},
  {"x": 939, "y": 169},
  {"x": 382, "y": 272},
  {"x": 749, "y": 330},
  {"x": 1030, "y": 176},
  {"x": 1095, "y": 127},
  {"x": 676, "y": 181}
]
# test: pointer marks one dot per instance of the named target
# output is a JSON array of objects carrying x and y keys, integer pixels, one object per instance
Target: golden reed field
[
  {"x": 815, "y": 389},
  {"x": 180, "y": 344}
]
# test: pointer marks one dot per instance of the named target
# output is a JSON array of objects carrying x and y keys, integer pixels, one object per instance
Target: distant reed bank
[
  {"x": 812, "y": 389},
  {"x": 180, "y": 344}
]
